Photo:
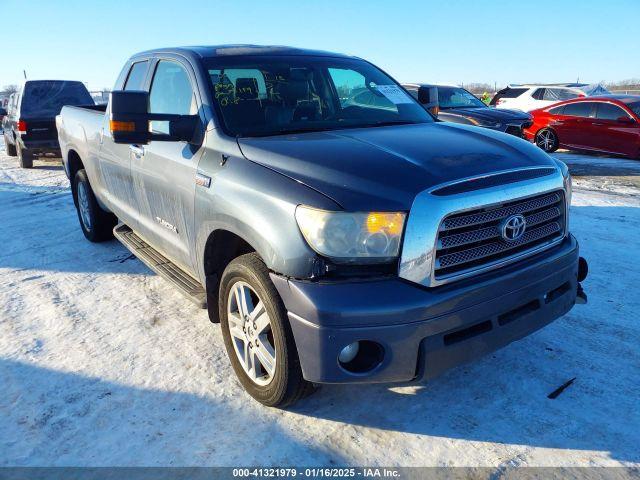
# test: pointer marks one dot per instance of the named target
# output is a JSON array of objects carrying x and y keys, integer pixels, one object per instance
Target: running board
[{"x": 164, "y": 267}]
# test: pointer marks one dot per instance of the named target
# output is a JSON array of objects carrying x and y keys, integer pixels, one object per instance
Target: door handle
[
  {"x": 137, "y": 151},
  {"x": 598, "y": 124}
]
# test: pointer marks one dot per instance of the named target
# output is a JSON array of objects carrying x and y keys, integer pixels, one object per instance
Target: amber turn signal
[
  {"x": 388, "y": 222},
  {"x": 117, "y": 126}
]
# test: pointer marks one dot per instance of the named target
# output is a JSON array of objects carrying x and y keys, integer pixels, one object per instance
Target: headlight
[{"x": 372, "y": 237}]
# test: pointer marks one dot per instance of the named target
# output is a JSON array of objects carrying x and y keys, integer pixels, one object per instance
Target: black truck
[
  {"x": 457, "y": 105},
  {"x": 30, "y": 123}
]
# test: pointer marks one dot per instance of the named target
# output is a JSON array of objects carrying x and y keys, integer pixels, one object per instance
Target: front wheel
[
  {"x": 97, "y": 224},
  {"x": 257, "y": 334},
  {"x": 547, "y": 139}
]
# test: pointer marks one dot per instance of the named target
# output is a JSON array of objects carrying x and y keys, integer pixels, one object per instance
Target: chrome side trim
[{"x": 428, "y": 211}]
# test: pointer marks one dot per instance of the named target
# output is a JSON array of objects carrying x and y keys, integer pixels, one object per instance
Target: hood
[
  {"x": 501, "y": 115},
  {"x": 384, "y": 168}
]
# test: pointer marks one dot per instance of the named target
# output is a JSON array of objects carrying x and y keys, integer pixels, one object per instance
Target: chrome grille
[{"x": 473, "y": 240}]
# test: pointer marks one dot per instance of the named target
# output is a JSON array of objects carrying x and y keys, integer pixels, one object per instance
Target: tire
[
  {"x": 96, "y": 224},
  {"x": 285, "y": 384},
  {"x": 9, "y": 147},
  {"x": 547, "y": 139},
  {"x": 25, "y": 158}
]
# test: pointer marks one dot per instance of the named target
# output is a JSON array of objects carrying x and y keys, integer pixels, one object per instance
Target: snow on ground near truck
[{"x": 104, "y": 363}]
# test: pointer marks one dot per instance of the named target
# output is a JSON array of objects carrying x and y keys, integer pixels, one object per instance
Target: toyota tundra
[{"x": 333, "y": 241}]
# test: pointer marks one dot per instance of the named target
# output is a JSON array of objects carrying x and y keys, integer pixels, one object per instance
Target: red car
[{"x": 608, "y": 124}]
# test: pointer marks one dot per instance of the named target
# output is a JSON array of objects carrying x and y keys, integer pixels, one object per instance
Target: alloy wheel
[
  {"x": 546, "y": 140},
  {"x": 251, "y": 335},
  {"x": 83, "y": 205}
]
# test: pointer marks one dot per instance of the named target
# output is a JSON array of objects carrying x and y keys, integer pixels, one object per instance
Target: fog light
[{"x": 349, "y": 352}]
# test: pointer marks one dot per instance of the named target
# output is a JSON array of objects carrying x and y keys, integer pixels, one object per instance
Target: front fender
[{"x": 258, "y": 205}]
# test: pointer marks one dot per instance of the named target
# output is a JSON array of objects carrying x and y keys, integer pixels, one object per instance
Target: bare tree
[
  {"x": 632, "y": 84},
  {"x": 478, "y": 88},
  {"x": 9, "y": 89}
]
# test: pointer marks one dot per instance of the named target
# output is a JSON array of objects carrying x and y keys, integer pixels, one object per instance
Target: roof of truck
[{"x": 207, "y": 51}]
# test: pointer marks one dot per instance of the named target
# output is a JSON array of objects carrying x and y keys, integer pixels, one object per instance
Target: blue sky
[{"x": 448, "y": 41}]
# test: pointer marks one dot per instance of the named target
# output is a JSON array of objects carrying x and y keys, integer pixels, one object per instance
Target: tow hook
[{"x": 583, "y": 271}]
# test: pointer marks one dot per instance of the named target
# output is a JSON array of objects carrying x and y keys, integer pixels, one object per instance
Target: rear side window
[
  {"x": 538, "y": 94},
  {"x": 46, "y": 98},
  {"x": 135, "y": 80},
  {"x": 507, "y": 93},
  {"x": 558, "y": 94},
  {"x": 608, "y": 111},
  {"x": 557, "y": 110},
  {"x": 171, "y": 92},
  {"x": 579, "y": 109}
]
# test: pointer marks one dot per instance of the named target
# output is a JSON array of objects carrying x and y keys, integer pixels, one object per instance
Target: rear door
[
  {"x": 164, "y": 173},
  {"x": 609, "y": 134},
  {"x": 546, "y": 96},
  {"x": 115, "y": 159}
]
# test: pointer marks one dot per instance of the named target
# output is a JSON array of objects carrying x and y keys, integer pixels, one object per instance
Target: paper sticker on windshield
[{"x": 394, "y": 94}]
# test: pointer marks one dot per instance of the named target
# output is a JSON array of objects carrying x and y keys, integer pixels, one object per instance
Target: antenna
[{"x": 24, "y": 72}]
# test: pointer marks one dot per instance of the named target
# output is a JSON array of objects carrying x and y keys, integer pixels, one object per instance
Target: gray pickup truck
[{"x": 334, "y": 241}]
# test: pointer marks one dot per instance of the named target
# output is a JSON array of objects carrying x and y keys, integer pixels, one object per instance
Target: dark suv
[{"x": 30, "y": 123}]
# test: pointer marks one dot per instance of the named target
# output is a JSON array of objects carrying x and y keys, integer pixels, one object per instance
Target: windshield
[
  {"x": 261, "y": 96},
  {"x": 454, "y": 97},
  {"x": 46, "y": 98}
]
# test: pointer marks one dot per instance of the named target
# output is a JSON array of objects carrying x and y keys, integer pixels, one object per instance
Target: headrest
[
  {"x": 247, "y": 88},
  {"x": 293, "y": 91}
]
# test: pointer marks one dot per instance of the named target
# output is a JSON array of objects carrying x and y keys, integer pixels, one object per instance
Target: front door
[
  {"x": 573, "y": 123},
  {"x": 610, "y": 134},
  {"x": 164, "y": 172}
]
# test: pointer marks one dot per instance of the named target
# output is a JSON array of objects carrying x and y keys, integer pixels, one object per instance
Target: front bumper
[{"x": 425, "y": 331}]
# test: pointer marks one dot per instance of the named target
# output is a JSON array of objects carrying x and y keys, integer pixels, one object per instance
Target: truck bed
[{"x": 79, "y": 129}]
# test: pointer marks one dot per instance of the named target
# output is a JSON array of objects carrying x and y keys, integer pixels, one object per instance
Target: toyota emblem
[{"x": 513, "y": 228}]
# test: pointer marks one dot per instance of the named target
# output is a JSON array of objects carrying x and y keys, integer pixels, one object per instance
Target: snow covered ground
[{"x": 103, "y": 363}]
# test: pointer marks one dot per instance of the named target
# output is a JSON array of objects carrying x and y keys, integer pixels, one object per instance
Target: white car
[{"x": 530, "y": 97}]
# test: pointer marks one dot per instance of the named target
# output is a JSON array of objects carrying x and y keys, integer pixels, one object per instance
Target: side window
[
  {"x": 135, "y": 80},
  {"x": 608, "y": 111},
  {"x": 579, "y": 109},
  {"x": 557, "y": 110},
  {"x": 559, "y": 94},
  {"x": 538, "y": 94},
  {"x": 171, "y": 92}
]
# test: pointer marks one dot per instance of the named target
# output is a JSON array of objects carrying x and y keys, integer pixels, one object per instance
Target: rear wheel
[
  {"x": 257, "y": 334},
  {"x": 25, "y": 157},
  {"x": 97, "y": 224},
  {"x": 9, "y": 147},
  {"x": 547, "y": 139}
]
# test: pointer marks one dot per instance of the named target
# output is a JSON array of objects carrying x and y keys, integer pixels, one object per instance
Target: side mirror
[
  {"x": 130, "y": 117},
  {"x": 428, "y": 98},
  {"x": 626, "y": 120}
]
